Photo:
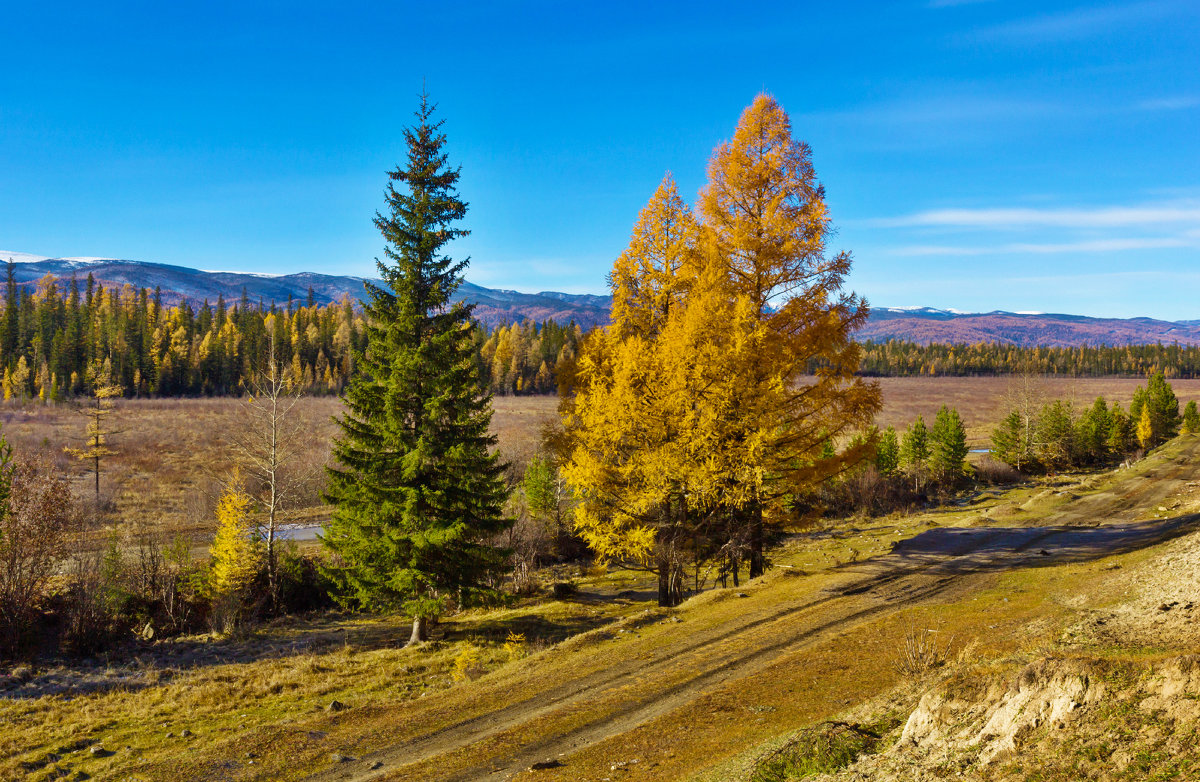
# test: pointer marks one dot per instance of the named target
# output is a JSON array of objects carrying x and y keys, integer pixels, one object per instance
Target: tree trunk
[
  {"x": 664, "y": 582},
  {"x": 272, "y": 570},
  {"x": 757, "y": 565},
  {"x": 420, "y": 630}
]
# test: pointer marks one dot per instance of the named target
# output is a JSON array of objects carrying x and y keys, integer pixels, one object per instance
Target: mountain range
[{"x": 922, "y": 325}]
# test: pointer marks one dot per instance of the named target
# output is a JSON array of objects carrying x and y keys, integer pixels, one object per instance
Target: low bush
[
  {"x": 996, "y": 473},
  {"x": 822, "y": 749},
  {"x": 920, "y": 652},
  {"x": 302, "y": 585}
]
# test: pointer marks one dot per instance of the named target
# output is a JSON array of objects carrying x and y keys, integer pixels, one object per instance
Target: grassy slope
[{"x": 710, "y": 690}]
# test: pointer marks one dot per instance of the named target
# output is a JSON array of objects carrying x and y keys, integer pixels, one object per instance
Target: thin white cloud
[
  {"x": 1181, "y": 277},
  {"x": 1092, "y": 246},
  {"x": 1176, "y": 103},
  {"x": 1024, "y": 217},
  {"x": 1074, "y": 25},
  {"x": 940, "y": 110}
]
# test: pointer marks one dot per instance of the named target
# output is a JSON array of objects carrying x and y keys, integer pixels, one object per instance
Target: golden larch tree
[
  {"x": 235, "y": 555},
  {"x": 656, "y": 269},
  {"x": 765, "y": 220},
  {"x": 97, "y": 431}
]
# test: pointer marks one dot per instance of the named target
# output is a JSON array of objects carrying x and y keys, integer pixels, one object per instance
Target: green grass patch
[{"x": 824, "y": 748}]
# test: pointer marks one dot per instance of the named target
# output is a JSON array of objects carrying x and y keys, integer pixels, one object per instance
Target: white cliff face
[{"x": 1047, "y": 694}]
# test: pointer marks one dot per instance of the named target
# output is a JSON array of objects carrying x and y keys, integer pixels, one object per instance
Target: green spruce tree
[
  {"x": 1008, "y": 442},
  {"x": 914, "y": 447},
  {"x": 1091, "y": 433},
  {"x": 887, "y": 452},
  {"x": 417, "y": 491},
  {"x": 1191, "y": 418},
  {"x": 948, "y": 445},
  {"x": 1120, "y": 432},
  {"x": 1164, "y": 408}
]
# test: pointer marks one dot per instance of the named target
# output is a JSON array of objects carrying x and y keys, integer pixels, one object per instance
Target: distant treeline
[
  {"x": 54, "y": 336},
  {"x": 897, "y": 358}
]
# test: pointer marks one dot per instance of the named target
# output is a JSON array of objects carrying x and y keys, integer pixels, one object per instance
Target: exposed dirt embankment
[
  {"x": 1052, "y": 719},
  {"x": 1117, "y": 698}
]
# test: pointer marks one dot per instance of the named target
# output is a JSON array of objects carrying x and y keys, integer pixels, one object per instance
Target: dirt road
[{"x": 548, "y": 718}]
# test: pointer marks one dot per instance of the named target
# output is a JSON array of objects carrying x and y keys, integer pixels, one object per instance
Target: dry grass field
[
  {"x": 981, "y": 401},
  {"x": 173, "y": 454}
]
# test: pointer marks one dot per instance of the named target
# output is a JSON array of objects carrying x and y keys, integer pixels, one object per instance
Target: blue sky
[{"x": 976, "y": 155}]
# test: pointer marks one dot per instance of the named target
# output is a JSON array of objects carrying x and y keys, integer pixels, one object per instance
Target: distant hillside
[
  {"x": 180, "y": 283},
  {"x": 922, "y": 325},
  {"x": 926, "y": 325}
]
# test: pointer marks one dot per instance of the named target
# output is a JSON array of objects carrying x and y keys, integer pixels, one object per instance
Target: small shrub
[
  {"x": 35, "y": 522},
  {"x": 514, "y": 646},
  {"x": 825, "y": 748},
  {"x": 564, "y": 589},
  {"x": 467, "y": 664},
  {"x": 91, "y": 605},
  {"x": 919, "y": 653},
  {"x": 302, "y": 584},
  {"x": 996, "y": 473}
]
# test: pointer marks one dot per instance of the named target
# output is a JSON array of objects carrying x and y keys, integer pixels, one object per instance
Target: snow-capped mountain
[
  {"x": 492, "y": 306},
  {"x": 180, "y": 283}
]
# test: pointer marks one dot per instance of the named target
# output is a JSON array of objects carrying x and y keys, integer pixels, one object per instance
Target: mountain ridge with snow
[{"x": 493, "y": 306}]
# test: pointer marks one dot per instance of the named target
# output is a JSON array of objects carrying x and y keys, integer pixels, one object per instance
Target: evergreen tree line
[
  {"x": 899, "y": 469},
  {"x": 898, "y": 358},
  {"x": 1054, "y": 436},
  {"x": 938, "y": 452},
  {"x": 55, "y": 336}
]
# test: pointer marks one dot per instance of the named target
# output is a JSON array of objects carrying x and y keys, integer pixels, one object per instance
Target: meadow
[
  {"x": 173, "y": 454},
  {"x": 605, "y": 681}
]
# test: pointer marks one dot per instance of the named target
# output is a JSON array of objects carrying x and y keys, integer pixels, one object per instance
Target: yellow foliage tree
[
  {"x": 97, "y": 431},
  {"x": 235, "y": 555},
  {"x": 635, "y": 382},
  {"x": 694, "y": 422},
  {"x": 765, "y": 220},
  {"x": 1145, "y": 428},
  {"x": 656, "y": 270}
]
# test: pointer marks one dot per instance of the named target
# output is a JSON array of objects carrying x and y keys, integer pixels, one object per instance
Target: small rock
[
  {"x": 185, "y": 733},
  {"x": 99, "y": 752},
  {"x": 1042, "y": 552},
  {"x": 742, "y": 594},
  {"x": 378, "y": 764},
  {"x": 542, "y": 765},
  {"x": 170, "y": 735},
  {"x": 338, "y": 757},
  {"x": 335, "y": 706}
]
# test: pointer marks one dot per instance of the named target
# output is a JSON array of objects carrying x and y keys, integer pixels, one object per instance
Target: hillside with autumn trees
[
  {"x": 52, "y": 335},
  {"x": 53, "y": 332}
]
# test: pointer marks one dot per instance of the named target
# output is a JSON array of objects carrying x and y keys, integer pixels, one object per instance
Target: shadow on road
[{"x": 955, "y": 550}]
